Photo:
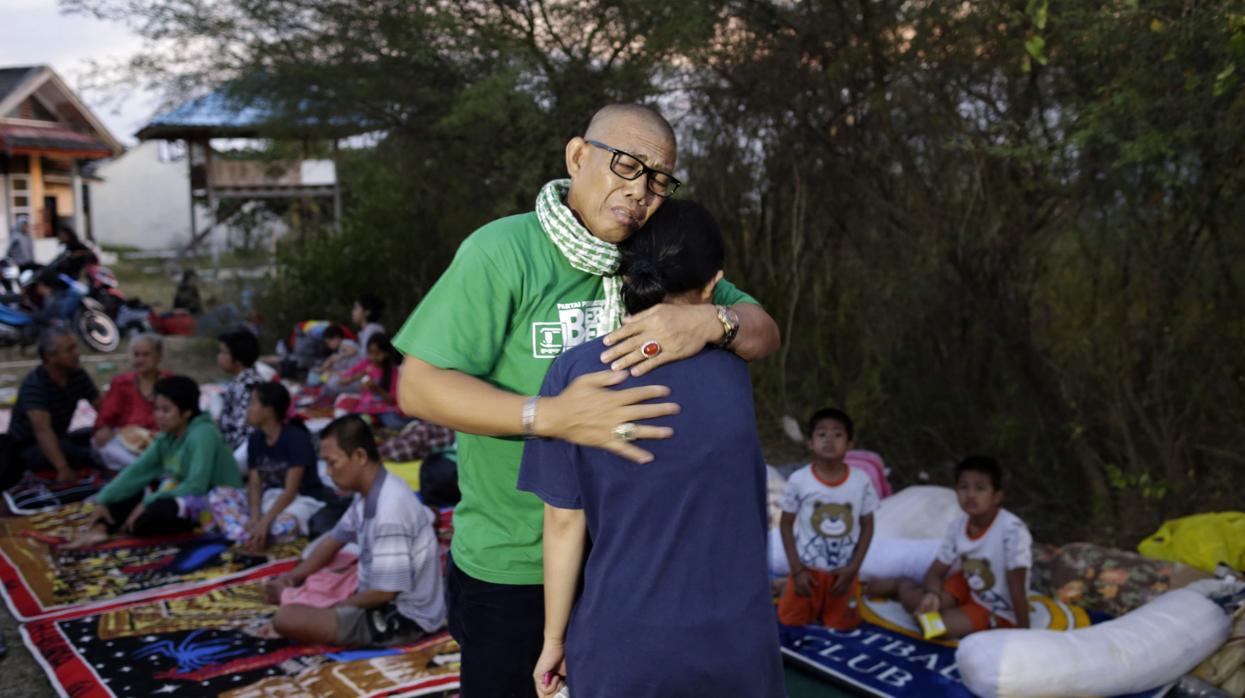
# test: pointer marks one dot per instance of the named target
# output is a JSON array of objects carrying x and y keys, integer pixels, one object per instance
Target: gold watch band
[{"x": 730, "y": 325}]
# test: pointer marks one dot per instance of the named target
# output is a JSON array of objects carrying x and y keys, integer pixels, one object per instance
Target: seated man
[
  {"x": 39, "y": 431},
  {"x": 400, "y": 595}
]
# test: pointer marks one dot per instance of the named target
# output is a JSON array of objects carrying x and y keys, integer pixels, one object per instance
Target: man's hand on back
[
  {"x": 680, "y": 330},
  {"x": 588, "y": 412}
]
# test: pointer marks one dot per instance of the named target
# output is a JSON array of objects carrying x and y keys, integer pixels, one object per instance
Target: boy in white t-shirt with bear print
[
  {"x": 980, "y": 578},
  {"x": 826, "y": 527}
]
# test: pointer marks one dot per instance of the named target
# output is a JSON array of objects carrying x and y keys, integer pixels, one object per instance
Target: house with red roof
[{"x": 47, "y": 136}]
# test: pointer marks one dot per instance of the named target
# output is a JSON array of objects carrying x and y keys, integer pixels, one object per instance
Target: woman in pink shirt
[
  {"x": 377, "y": 375},
  {"x": 125, "y": 425}
]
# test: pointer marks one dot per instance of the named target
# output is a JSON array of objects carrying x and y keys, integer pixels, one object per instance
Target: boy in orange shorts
[
  {"x": 826, "y": 526},
  {"x": 987, "y": 551}
]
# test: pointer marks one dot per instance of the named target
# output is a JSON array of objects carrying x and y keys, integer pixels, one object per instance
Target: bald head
[
  {"x": 611, "y": 116},
  {"x": 612, "y": 205}
]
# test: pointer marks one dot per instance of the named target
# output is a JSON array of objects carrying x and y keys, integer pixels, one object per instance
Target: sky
[{"x": 34, "y": 32}]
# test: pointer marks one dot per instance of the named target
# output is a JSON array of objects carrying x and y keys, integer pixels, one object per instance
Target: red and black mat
[{"x": 214, "y": 640}]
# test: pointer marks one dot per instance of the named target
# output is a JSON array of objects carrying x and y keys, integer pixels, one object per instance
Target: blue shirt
[
  {"x": 676, "y": 599},
  {"x": 292, "y": 449}
]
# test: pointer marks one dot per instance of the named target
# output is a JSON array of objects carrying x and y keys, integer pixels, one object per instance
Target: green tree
[{"x": 1008, "y": 226}]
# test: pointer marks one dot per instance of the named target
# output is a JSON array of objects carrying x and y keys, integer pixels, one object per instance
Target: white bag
[
  {"x": 898, "y": 558},
  {"x": 920, "y": 511},
  {"x": 1147, "y": 648},
  {"x": 778, "y": 565}
]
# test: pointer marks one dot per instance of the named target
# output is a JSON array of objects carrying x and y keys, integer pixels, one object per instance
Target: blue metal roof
[
  {"x": 214, "y": 110},
  {"x": 221, "y": 115}
]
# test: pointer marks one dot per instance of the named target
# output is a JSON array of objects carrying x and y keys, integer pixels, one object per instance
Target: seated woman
[
  {"x": 675, "y": 598},
  {"x": 166, "y": 488},
  {"x": 125, "y": 426},
  {"x": 283, "y": 488},
  {"x": 377, "y": 375}
]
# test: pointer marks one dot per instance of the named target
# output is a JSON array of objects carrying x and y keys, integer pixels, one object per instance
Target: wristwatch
[{"x": 730, "y": 325}]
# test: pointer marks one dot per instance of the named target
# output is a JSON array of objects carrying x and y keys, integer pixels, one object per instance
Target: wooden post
[
  {"x": 337, "y": 191},
  {"x": 214, "y": 240},
  {"x": 190, "y": 181},
  {"x": 37, "y": 227}
]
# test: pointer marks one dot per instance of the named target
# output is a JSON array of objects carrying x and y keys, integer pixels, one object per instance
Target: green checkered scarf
[{"x": 585, "y": 251}]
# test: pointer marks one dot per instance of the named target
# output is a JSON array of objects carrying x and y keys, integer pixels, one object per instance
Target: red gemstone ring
[{"x": 650, "y": 349}]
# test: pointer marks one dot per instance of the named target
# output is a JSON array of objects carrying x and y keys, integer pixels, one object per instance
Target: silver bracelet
[{"x": 528, "y": 418}]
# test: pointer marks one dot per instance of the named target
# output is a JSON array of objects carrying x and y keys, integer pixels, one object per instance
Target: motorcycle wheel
[
  {"x": 98, "y": 330},
  {"x": 112, "y": 305}
]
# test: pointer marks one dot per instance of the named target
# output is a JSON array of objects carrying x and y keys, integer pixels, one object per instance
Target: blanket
[
  {"x": 36, "y": 493},
  {"x": 40, "y": 577},
  {"x": 214, "y": 641}
]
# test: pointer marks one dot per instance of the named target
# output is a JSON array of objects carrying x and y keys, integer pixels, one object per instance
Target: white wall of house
[
  {"x": 319, "y": 172},
  {"x": 143, "y": 200}
]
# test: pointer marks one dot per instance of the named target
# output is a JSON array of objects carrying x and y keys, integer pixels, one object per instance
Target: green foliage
[{"x": 1007, "y": 227}]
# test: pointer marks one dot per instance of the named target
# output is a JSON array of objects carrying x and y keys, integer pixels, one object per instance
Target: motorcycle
[
  {"x": 71, "y": 306},
  {"x": 102, "y": 286},
  {"x": 9, "y": 273},
  {"x": 129, "y": 314}
]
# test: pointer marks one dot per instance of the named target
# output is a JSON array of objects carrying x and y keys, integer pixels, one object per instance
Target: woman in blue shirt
[{"x": 675, "y": 598}]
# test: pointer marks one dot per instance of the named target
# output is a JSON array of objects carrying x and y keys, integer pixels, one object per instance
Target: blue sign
[{"x": 879, "y": 661}]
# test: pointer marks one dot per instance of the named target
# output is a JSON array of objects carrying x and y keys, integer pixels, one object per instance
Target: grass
[{"x": 155, "y": 280}]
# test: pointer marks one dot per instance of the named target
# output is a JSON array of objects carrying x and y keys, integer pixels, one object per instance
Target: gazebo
[{"x": 213, "y": 179}]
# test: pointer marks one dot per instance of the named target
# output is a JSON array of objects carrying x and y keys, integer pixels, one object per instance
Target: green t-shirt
[
  {"x": 505, "y": 308},
  {"x": 190, "y": 465}
]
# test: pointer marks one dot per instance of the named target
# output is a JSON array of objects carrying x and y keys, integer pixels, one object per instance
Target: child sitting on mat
[
  {"x": 283, "y": 487},
  {"x": 377, "y": 375},
  {"x": 400, "y": 595},
  {"x": 986, "y": 550},
  {"x": 826, "y": 527},
  {"x": 342, "y": 353}
]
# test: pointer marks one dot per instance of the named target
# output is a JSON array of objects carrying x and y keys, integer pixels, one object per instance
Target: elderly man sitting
[{"x": 38, "y": 434}]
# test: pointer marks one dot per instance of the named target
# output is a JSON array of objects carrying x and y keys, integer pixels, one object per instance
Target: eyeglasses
[{"x": 630, "y": 168}]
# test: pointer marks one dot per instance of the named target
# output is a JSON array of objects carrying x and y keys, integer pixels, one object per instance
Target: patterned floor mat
[
  {"x": 40, "y": 578},
  {"x": 212, "y": 641}
]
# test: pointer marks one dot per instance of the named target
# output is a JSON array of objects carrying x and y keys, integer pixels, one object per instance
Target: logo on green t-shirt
[
  {"x": 578, "y": 322},
  {"x": 547, "y": 340}
]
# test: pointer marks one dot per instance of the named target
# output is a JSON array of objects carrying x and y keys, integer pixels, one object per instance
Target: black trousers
[
  {"x": 158, "y": 519},
  {"x": 500, "y": 628},
  {"x": 76, "y": 447}
]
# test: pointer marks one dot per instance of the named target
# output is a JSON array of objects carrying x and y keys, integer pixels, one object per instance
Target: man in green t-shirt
[{"x": 520, "y": 291}]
